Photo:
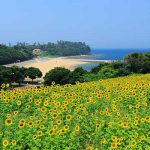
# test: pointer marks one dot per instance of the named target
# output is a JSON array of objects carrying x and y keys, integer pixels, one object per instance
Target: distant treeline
[
  {"x": 13, "y": 54},
  {"x": 65, "y": 48},
  {"x": 24, "y": 51}
]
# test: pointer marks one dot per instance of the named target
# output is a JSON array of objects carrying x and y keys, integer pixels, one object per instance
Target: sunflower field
[{"x": 100, "y": 115}]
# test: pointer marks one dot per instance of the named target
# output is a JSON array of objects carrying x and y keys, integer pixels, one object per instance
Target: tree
[
  {"x": 77, "y": 75},
  {"x": 24, "y": 51},
  {"x": 59, "y": 75},
  {"x": 5, "y": 75},
  {"x": 146, "y": 64},
  {"x": 108, "y": 71},
  {"x": 80, "y": 71},
  {"x": 134, "y": 62},
  {"x": 18, "y": 74},
  {"x": 13, "y": 53},
  {"x": 117, "y": 65},
  {"x": 33, "y": 73}
]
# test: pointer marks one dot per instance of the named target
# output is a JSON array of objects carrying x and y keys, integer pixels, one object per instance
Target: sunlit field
[{"x": 101, "y": 115}]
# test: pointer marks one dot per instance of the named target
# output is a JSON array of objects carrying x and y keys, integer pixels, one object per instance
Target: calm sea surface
[{"x": 109, "y": 54}]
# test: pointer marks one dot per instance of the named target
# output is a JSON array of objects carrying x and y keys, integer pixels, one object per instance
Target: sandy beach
[{"x": 45, "y": 64}]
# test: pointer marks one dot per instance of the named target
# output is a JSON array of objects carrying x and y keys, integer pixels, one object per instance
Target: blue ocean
[{"x": 109, "y": 54}]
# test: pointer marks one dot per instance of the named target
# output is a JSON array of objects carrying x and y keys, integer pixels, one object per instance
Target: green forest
[
  {"x": 24, "y": 51},
  {"x": 13, "y": 54}
]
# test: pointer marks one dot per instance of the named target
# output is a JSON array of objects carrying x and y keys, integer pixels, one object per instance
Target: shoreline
[
  {"x": 96, "y": 61},
  {"x": 46, "y": 64},
  {"x": 79, "y": 56}
]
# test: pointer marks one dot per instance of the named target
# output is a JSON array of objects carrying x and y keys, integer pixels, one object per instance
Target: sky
[{"x": 99, "y": 23}]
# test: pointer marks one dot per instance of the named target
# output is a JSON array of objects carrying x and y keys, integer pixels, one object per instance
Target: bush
[
  {"x": 108, "y": 71},
  {"x": 98, "y": 68},
  {"x": 122, "y": 72},
  {"x": 77, "y": 75},
  {"x": 59, "y": 75},
  {"x": 93, "y": 77},
  {"x": 116, "y": 65},
  {"x": 80, "y": 71}
]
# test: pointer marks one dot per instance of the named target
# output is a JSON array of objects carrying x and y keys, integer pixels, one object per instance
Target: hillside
[
  {"x": 14, "y": 54},
  {"x": 105, "y": 114},
  {"x": 25, "y": 51}
]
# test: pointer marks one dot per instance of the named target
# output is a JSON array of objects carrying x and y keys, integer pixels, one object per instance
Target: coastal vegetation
[
  {"x": 62, "y": 76},
  {"x": 105, "y": 114},
  {"x": 9, "y": 75},
  {"x": 133, "y": 63},
  {"x": 25, "y": 51},
  {"x": 17, "y": 53},
  {"x": 66, "y": 48}
]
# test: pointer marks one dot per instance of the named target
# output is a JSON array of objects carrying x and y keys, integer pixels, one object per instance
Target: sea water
[{"x": 109, "y": 54}]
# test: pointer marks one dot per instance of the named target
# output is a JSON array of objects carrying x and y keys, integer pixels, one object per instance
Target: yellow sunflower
[
  {"x": 8, "y": 122},
  {"x": 13, "y": 142},
  {"x": 68, "y": 117},
  {"x": 5, "y": 143}
]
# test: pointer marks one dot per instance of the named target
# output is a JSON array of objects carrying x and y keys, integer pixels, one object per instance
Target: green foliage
[
  {"x": 138, "y": 62},
  {"x": 122, "y": 72},
  {"x": 47, "y": 54},
  {"x": 98, "y": 68},
  {"x": 147, "y": 56},
  {"x": 5, "y": 75},
  {"x": 33, "y": 73},
  {"x": 80, "y": 71},
  {"x": 93, "y": 77},
  {"x": 62, "y": 76},
  {"x": 66, "y": 48},
  {"x": 77, "y": 75},
  {"x": 134, "y": 62},
  {"x": 18, "y": 74},
  {"x": 146, "y": 64},
  {"x": 108, "y": 71},
  {"x": 59, "y": 75},
  {"x": 24, "y": 51},
  {"x": 116, "y": 65},
  {"x": 14, "y": 54}
]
